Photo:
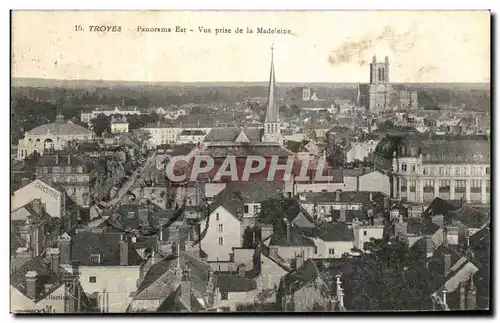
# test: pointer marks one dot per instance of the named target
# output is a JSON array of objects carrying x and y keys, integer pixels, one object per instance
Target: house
[
  {"x": 452, "y": 280},
  {"x": 234, "y": 290},
  {"x": 177, "y": 282},
  {"x": 222, "y": 229},
  {"x": 106, "y": 265},
  {"x": 119, "y": 124},
  {"x": 41, "y": 285},
  {"x": 193, "y": 136},
  {"x": 333, "y": 240},
  {"x": 288, "y": 241},
  {"x": 366, "y": 231},
  {"x": 306, "y": 289},
  {"x": 359, "y": 151}
]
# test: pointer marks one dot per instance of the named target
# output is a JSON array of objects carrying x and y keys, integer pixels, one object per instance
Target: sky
[{"x": 323, "y": 46}]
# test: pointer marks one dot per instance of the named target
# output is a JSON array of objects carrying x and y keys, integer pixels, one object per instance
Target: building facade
[
  {"x": 50, "y": 137},
  {"x": 423, "y": 167}
]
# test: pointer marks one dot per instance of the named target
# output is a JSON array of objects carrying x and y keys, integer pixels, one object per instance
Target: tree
[
  {"x": 248, "y": 238},
  {"x": 100, "y": 124},
  {"x": 389, "y": 277}
]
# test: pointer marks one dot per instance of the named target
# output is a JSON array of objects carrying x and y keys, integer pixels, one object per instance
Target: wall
[
  {"x": 231, "y": 234},
  {"x": 19, "y": 302},
  {"x": 117, "y": 281},
  {"x": 288, "y": 253},
  {"x": 270, "y": 274},
  {"x": 371, "y": 182},
  {"x": 340, "y": 247},
  {"x": 305, "y": 298},
  {"x": 52, "y": 198},
  {"x": 375, "y": 232}
]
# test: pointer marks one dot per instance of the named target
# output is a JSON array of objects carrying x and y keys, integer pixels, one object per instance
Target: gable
[
  {"x": 242, "y": 137},
  {"x": 225, "y": 216},
  {"x": 302, "y": 221}
]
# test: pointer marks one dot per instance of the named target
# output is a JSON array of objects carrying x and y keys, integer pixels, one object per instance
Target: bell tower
[{"x": 272, "y": 133}]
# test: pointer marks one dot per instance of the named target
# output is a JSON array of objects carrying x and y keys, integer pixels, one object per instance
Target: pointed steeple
[{"x": 272, "y": 110}]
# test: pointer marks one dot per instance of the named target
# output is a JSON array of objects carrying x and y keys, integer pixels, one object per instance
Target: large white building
[
  {"x": 88, "y": 116},
  {"x": 50, "y": 137},
  {"x": 164, "y": 133},
  {"x": 423, "y": 167}
]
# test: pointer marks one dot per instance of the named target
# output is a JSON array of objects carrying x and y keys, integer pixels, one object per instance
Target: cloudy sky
[{"x": 423, "y": 46}]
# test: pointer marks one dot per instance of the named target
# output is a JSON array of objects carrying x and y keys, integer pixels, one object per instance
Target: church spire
[{"x": 272, "y": 110}]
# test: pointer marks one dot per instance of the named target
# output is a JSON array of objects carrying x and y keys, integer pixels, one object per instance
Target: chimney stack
[
  {"x": 31, "y": 278},
  {"x": 64, "y": 246},
  {"x": 299, "y": 261},
  {"x": 242, "y": 270},
  {"x": 471, "y": 295},
  {"x": 123, "y": 252},
  {"x": 462, "y": 296},
  {"x": 342, "y": 217},
  {"x": 444, "y": 296},
  {"x": 288, "y": 228},
  {"x": 55, "y": 256},
  {"x": 337, "y": 196},
  {"x": 186, "y": 288},
  {"x": 447, "y": 264}
]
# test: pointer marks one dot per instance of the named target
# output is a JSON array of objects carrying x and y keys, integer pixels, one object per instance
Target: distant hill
[{"x": 89, "y": 84}]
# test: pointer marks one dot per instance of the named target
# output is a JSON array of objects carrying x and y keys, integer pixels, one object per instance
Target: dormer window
[{"x": 95, "y": 258}]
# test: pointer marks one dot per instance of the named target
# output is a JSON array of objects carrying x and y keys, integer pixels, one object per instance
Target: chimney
[
  {"x": 123, "y": 252},
  {"x": 357, "y": 183},
  {"x": 186, "y": 288},
  {"x": 288, "y": 228},
  {"x": 55, "y": 256},
  {"x": 337, "y": 196},
  {"x": 36, "y": 204},
  {"x": 31, "y": 278},
  {"x": 462, "y": 296},
  {"x": 444, "y": 296},
  {"x": 299, "y": 261},
  {"x": 447, "y": 264},
  {"x": 342, "y": 217},
  {"x": 64, "y": 246},
  {"x": 471, "y": 295},
  {"x": 242, "y": 270},
  {"x": 429, "y": 247},
  {"x": 371, "y": 196},
  {"x": 265, "y": 232}
]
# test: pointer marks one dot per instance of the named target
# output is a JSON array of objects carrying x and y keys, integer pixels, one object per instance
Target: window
[
  {"x": 331, "y": 251},
  {"x": 365, "y": 233},
  {"x": 431, "y": 171},
  {"x": 95, "y": 258},
  {"x": 464, "y": 170},
  {"x": 221, "y": 227},
  {"x": 487, "y": 171},
  {"x": 403, "y": 167},
  {"x": 447, "y": 171},
  {"x": 217, "y": 217},
  {"x": 412, "y": 185},
  {"x": 425, "y": 171},
  {"x": 441, "y": 170},
  {"x": 460, "y": 186},
  {"x": 221, "y": 241},
  {"x": 444, "y": 185},
  {"x": 403, "y": 185},
  {"x": 475, "y": 186},
  {"x": 246, "y": 208},
  {"x": 429, "y": 185},
  {"x": 224, "y": 296},
  {"x": 413, "y": 168},
  {"x": 458, "y": 171},
  {"x": 92, "y": 279},
  {"x": 256, "y": 209}
]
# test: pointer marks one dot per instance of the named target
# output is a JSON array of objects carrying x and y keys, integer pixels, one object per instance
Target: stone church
[{"x": 380, "y": 94}]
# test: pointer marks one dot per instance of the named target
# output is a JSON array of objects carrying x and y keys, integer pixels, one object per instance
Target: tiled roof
[
  {"x": 335, "y": 232},
  {"x": 234, "y": 283},
  {"x": 106, "y": 245},
  {"x": 296, "y": 238},
  {"x": 230, "y": 134},
  {"x": 440, "y": 206},
  {"x": 44, "y": 276},
  {"x": 255, "y": 190},
  {"x": 60, "y": 129},
  {"x": 471, "y": 217}
]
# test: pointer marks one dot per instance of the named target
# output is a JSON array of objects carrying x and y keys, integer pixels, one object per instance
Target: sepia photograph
[{"x": 250, "y": 162}]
